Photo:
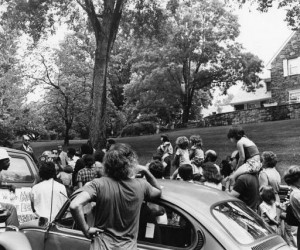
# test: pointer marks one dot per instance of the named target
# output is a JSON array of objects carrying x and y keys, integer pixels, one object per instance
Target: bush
[
  {"x": 135, "y": 129},
  {"x": 147, "y": 118}
]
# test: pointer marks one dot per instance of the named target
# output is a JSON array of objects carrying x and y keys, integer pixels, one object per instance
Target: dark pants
[{"x": 13, "y": 216}]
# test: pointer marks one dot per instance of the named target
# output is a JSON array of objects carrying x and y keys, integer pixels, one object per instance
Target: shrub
[{"x": 141, "y": 128}]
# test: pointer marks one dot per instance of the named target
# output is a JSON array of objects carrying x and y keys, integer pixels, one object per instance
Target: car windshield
[{"x": 244, "y": 225}]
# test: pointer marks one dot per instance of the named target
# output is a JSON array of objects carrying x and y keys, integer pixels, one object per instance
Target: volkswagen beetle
[{"x": 194, "y": 217}]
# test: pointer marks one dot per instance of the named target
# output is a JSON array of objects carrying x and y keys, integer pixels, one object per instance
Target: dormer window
[{"x": 291, "y": 66}]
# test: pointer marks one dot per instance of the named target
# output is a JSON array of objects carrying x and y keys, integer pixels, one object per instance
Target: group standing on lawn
[{"x": 108, "y": 179}]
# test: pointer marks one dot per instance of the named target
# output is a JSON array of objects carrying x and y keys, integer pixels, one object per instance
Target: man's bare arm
[
  {"x": 156, "y": 189},
  {"x": 76, "y": 208}
]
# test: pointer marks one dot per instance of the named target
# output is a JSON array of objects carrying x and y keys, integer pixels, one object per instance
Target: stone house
[
  {"x": 285, "y": 72},
  {"x": 283, "y": 86},
  {"x": 244, "y": 100}
]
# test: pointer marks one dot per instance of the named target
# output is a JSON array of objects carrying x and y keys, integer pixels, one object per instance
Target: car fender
[{"x": 14, "y": 241}]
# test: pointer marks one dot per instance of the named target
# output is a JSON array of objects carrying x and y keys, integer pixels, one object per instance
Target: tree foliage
[
  {"x": 66, "y": 75},
  {"x": 12, "y": 92},
  {"x": 199, "y": 53}
]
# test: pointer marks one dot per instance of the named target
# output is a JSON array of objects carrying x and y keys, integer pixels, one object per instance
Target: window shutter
[{"x": 285, "y": 67}]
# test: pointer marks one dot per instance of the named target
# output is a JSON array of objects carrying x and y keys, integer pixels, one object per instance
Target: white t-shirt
[
  {"x": 72, "y": 162},
  {"x": 184, "y": 156},
  {"x": 271, "y": 210},
  {"x": 41, "y": 196}
]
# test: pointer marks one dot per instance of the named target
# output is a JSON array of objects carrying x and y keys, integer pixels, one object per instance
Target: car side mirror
[{"x": 43, "y": 221}]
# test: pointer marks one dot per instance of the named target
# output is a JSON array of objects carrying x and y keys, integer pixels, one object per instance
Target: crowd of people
[
  {"x": 246, "y": 174},
  {"x": 109, "y": 179}
]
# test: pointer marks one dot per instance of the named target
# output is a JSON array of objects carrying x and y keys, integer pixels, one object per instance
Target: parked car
[
  {"x": 195, "y": 217},
  {"x": 10, "y": 237},
  {"x": 22, "y": 174}
]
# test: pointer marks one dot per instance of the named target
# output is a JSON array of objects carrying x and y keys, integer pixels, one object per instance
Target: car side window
[
  {"x": 162, "y": 225},
  {"x": 67, "y": 220},
  {"x": 19, "y": 171}
]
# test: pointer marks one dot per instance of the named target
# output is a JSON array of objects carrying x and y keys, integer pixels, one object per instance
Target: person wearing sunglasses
[{"x": 27, "y": 148}]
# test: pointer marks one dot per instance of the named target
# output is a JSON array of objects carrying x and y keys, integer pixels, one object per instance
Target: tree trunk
[
  {"x": 66, "y": 140},
  {"x": 98, "y": 114},
  {"x": 105, "y": 29},
  {"x": 186, "y": 106},
  {"x": 185, "y": 114}
]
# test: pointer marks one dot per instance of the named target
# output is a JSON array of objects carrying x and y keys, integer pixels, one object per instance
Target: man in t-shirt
[
  {"x": 246, "y": 188},
  {"x": 118, "y": 198}
]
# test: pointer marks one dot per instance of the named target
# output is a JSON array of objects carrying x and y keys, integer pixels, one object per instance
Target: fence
[{"x": 274, "y": 113}]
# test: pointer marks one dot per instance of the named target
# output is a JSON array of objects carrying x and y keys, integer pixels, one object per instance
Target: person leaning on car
[
  {"x": 12, "y": 218},
  {"x": 118, "y": 199}
]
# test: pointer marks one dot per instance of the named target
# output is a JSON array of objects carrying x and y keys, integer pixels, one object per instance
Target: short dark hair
[
  {"x": 47, "y": 170},
  {"x": 186, "y": 172},
  {"x": 156, "y": 168},
  {"x": 182, "y": 142},
  {"x": 99, "y": 155},
  {"x": 211, "y": 154},
  {"x": 86, "y": 149},
  {"x": 267, "y": 194},
  {"x": 71, "y": 151},
  {"x": 270, "y": 158},
  {"x": 119, "y": 161},
  {"x": 196, "y": 140},
  {"x": 111, "y": 141},
  {"x": 89, "y": 160},
  {"x": 235, "y": 132},
  {"x": 292, "y": 175},
  {"x": 211, "y": 173},
  {"x": 165, "y": 137},
  {"x": 157, "y": 157},
  {"x": 226, "y": 168}
]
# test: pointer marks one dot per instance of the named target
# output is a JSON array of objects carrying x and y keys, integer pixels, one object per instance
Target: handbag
[{"x": 290, "y": 218}]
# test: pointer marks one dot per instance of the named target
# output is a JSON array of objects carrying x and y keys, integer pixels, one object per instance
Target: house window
[
  {"x": 239, "y": 107},
  {"x": 291, "y": 66},
  {"x": 268, "y": 85},
  {"x": 294, "y": 96}
]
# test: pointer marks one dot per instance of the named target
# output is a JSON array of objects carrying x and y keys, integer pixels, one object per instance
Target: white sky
[{"x": 262, "y": 33}]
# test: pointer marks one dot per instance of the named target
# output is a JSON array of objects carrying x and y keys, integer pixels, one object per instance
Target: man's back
[
  {"x": 118, "y": 205},
  {"x": 248, "y": 187}
]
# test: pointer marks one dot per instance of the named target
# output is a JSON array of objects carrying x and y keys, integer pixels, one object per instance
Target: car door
[
  {"x": 63, "y": 233},
  {"x": 166, "y": 226}
]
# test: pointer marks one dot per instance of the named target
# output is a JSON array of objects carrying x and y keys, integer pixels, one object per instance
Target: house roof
[
  {"x": 242, "y": 96},
  {"x": 268, "y": 66}
]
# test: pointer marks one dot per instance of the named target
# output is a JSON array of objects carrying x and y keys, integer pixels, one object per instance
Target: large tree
[
  {"x": 103, "y": 17},
  {"x": 198, "y": 53}
]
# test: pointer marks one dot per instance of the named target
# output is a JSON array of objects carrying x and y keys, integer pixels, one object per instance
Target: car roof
[
  {"x": 194, "y": 194},
  {"x": 13, "y": 150},
  {"x": 16, "y": 151}
]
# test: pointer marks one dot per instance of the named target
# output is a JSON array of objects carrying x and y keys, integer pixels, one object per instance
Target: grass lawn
[{"x": 281, "y": 137}]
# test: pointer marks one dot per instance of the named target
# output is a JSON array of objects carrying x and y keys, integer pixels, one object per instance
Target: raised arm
[{"x": 155, "y": 191}]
